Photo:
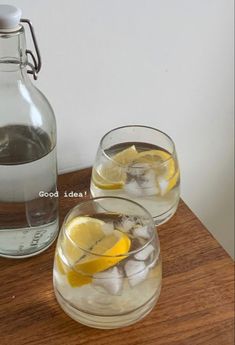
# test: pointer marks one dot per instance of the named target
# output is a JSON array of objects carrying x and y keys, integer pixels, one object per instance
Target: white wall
[{"x": 163, "y": 63}]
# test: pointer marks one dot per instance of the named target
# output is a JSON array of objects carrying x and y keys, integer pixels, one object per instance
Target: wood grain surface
[{"x": 196, "y": 306}]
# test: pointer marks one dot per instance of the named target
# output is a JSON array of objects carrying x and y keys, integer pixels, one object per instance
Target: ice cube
[
  {"x": 163, "y": 184},
  {"x": 127, "y": 224},
  {"x": 137, "y": 243},
  {"x": 136, "y": 272},
  {"x": 142, "y": 231},
  {"x": 59, "y": 278},
  {"x": 148, "y": 183},
  {"x": 138, "y": 169},
  {"x": 111, "y": 280},
  {"x": 144, "y": 253},
  {"x": 133, "y": 188},
  {"x": 108, "y": 228}
]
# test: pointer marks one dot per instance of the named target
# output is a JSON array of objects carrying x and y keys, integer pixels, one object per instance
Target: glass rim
[
  {"x": 154, "y": 232},
  {"x": 137, "y": 126}
]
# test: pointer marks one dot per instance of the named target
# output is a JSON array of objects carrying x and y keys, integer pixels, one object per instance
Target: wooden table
[{"x": 195, "y": 307}]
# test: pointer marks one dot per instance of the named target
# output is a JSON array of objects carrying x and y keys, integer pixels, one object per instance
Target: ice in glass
[
  {"x": 138, "y": 163},
  {"x": 107, "y": 268}
]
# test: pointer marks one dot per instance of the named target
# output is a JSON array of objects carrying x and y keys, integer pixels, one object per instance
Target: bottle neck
[{"x": 13, "y": 59}]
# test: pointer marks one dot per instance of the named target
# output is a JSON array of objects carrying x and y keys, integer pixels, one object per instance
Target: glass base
[
  {"x": 164, "y": 217},
  {"x": 107, "y": 322}
]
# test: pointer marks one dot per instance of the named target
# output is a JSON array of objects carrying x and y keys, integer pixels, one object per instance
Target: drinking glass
[
  {"x": 107, "y": 268},
  {"x": 138, "y": 163}
]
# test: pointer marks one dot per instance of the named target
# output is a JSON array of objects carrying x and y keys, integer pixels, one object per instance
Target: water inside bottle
[{"x": 28, "y": 222}]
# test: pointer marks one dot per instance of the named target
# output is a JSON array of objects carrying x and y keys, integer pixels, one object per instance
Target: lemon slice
[
  {"x": 111, "y": 176},
  {"x": 87, "y": 234},
  {"x": 168, "y": 185},
  {"x": 75, "y": 279},
  {"x": 113, "y": 247},
  {"x": 108, "y": 178},
  {"x": 126, "y": 156},
  {"x": 159, "y": 157},
  {"x": 81, "y": 233},
  {"x": 163, "y": 163},
  {"x": 59, "y": 264}
]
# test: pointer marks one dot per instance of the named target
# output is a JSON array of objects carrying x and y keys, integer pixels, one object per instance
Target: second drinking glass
[{"x": 138, "y": 163}]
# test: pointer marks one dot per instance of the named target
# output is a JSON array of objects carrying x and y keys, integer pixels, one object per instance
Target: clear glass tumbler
[
  {"x": 138, "y": 163},
  {"x": 107, "y": 268}
]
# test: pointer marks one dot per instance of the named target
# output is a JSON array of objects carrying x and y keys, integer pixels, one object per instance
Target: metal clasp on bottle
[{"x": 36, "y": 63}]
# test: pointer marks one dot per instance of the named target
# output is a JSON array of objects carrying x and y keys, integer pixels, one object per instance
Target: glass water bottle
[{"x": 28, "y": 168}]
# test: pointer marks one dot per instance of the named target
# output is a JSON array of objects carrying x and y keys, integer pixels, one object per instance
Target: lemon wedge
[
  {"x": 167, "y": 174},
  {"x": 126, "y": 156},
  {"x": 168, "y": 185},
  {"x": 89, "y": 249},
  {"x": 75, "y": 279},
  {"x": 59, "y": 264},
  {"x": 158, "y": 157},
  {"x": 108, "y": 178},
  {"x": 113, "y": 247},
  {"x": 81, "y": 233},
  {"x": 111, "y": 176}
]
